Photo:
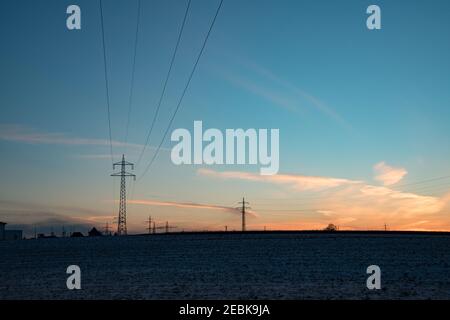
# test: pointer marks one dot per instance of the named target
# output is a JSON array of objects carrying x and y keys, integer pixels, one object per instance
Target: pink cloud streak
[
  {"x": 189, "y": 205},
  {"x": 298, "y": 182}
]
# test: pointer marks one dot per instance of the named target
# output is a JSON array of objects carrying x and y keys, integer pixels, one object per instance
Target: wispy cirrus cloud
[
  {"x": 277, "y": 99},
  {"x": 297, "y": 182},
  {"x": 292, "y": 88},
  {"x": 388, "y": 175},
  {"x": 23, "y": 134},
  {"x": 278, "y": 91},
  {"x": 25, "y": 205}
]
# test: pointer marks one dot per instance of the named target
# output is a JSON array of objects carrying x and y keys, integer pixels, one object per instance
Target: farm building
[
  {"x": 9, "y": 234},
  {"x": 2, "y": 230}
]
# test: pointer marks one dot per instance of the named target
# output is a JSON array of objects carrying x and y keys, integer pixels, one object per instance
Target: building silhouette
[{"x": 9, "y": 234}]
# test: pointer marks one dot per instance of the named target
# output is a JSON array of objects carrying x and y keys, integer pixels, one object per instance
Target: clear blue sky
[{"x": 344, "y": 98}]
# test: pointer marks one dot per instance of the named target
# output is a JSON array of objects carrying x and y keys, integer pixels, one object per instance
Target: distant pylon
[
  {"x": 122, "y": 218},
  {"x": 243, "y": 208},
  {"x": 149, "y": 221},
  {"x": 166, "y": 228},
  {"x": 107, "y": 232}
]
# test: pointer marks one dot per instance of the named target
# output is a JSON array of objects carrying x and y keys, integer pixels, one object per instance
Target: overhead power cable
[
  {"x": 184, "y": 91},
  {"x": 130, "y": 99},
  {"x": 421, "y": 182},
  {"x": 106, "y": 82},
  {"x": 155, "y": 116}
]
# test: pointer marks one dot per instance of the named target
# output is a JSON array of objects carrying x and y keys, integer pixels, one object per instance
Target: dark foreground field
[{"x": 229, "y": 266}]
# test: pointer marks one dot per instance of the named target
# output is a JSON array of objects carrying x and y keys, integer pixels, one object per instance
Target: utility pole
[
  {"x": 122, "y": 218},
  {"x": 166, "y": 227},
  {"x": 107, "y": 232},
  {"x": 154, "y": 227},
  {"x": 243, "y": 208},
  {"x": 385, "y": 227},
  {"x": 149, "y": 221}
]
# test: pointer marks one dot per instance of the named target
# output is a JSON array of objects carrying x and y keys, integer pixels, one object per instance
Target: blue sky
[{"x": 344, "y": 98}]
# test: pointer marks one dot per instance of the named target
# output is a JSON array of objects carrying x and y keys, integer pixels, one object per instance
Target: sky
[{"x": 363, "y": 114}]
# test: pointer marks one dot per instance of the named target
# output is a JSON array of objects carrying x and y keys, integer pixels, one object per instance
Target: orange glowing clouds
[
  {"x": 355, "y": 204},
  {"x": 388, "y": 175}
]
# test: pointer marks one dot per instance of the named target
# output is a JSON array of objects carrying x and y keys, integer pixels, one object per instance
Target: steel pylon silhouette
[
  {"x": 243, "y": 208},
  {"x": 122, "y": 218}
]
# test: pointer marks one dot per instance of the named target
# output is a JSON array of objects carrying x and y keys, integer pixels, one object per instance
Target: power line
[
  {"x": 106, "y": 81},
  {"x": 185, "y": 89},
  {"x": 107, "y": 89},
  {"x": 165, "y": 83},
  {"x": 432, "y": 188},
  {"x": 422, "y": 181},
  {"x": 107, "y": 230},
  {"x": 130, "y": 100},
  {"x": 290, "y": 210}
]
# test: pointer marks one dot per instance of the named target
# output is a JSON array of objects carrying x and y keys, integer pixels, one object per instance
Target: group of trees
[{"x": 331, "y": 227}]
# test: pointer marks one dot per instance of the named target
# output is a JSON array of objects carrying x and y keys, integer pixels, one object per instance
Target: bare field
[{"x": 228, "y": 266}]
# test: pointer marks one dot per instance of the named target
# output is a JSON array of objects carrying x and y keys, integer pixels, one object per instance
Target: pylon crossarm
[
  {"x": 124, "y": 174},
  {"x": 123, "y": 164}
]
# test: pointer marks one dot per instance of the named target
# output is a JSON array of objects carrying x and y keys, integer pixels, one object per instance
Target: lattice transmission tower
[
  {"x": 243, "y": 208},
  {"x": 122, "y": 218}
]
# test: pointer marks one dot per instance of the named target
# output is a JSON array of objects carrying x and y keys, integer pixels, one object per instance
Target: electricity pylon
[
  {"x": 243, "y": 208},
  {"x": 167, "y": 227},
  {"x": 149, "y": 221},
  {"x": 107, "y": 232},
  {"x": 122, "y": 218}
]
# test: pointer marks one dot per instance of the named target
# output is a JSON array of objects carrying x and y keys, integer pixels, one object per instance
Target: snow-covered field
[{"x": 228, "y": 266}]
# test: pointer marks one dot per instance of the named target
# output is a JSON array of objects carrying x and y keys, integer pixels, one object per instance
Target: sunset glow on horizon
[{"x": 363, "y": 116}]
